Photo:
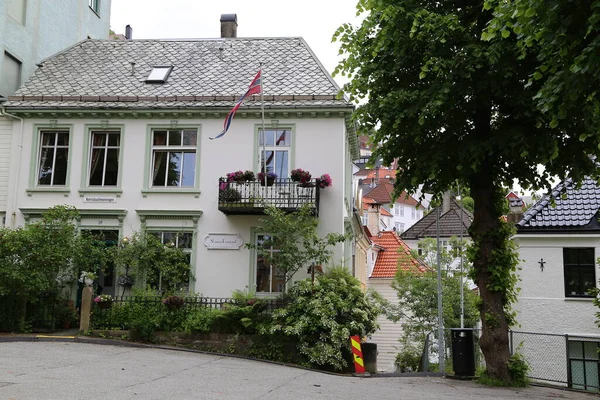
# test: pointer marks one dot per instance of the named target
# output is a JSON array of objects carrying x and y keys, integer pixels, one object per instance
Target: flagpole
[{"x": 264, "y": 133}]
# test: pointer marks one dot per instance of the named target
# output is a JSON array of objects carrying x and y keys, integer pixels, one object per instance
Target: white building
[
  {"x": 30, "y": 31},
  {"x": 121, "y": 131},
  {"x": 559, "y": 247}
]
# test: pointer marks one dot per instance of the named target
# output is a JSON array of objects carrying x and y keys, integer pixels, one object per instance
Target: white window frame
[
  {"x": 275, "y": 148},
  {"x": 94, "y": 5},
  {"x": 401, "y": 210},
  {"x": 106, "y": 148},
  {"x": 170, "y": 149},
  {"x": 271, "y": 268},
  {"x": 54, "y": 147},
  {"x": 160, "y": 233},
  {"x": 413, "y": 213}
]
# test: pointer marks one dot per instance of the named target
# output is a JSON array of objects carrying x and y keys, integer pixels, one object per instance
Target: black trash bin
[
  {"x": 369, "y": 351},
  {"x": 463, "y": 352}
]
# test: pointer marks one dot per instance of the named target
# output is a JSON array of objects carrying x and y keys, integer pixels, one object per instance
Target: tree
[
  {"x": 321, "y": 317},
  {"x": 295, "y": 237},
  {"x": 451, "y": 107},
  {"x": 564, "y": 36},
  {"x": 143, "y": 257}
]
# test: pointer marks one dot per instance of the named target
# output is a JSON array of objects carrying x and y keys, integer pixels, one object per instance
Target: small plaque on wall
[{"x": 223, "y": 241}]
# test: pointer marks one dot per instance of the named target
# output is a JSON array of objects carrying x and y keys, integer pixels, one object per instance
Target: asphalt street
[{"x": 70, "y": 370}]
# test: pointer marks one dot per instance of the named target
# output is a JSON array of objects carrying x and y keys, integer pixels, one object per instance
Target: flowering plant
[
  {"x": 270, "y": 176},
  {"x": 240, "y": 176},
  {"x": 103, "y": 298},
  {"x": 87, "y": 275},
  {"x": 324, "y": 181},
  {"x": 173, "y": 302},
  {"x": 300, "y": 175}
]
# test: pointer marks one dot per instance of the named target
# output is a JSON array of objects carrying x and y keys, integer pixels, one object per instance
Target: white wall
[
  {"x": 389, "y": 332},
  {"x": 319, "y": 148},
  {"x": 6, "y": 126},
  {"x": 542, "y": 305}
]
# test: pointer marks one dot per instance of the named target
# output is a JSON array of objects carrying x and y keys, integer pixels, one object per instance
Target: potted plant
[
  {"x": 87, "y": 277},
  {"x": 301, "y": 176},
  {"x": 270, "y": 177},
  {"x": 324, "y": 181},
  {"x": 104, "y": 300},
  {"x": 249, "y": 176},
  {"x": 237, "y": 176}
]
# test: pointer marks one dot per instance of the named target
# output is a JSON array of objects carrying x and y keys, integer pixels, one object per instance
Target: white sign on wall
[
  {"x": 99, "y": 199},
  {"x": 223, "y": 241}
]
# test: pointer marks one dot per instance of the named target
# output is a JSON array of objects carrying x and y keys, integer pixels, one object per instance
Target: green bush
[
  {"x": 408, "y": 359},
  {"x": 200, "y": 320},
  {"x": 518, "y": 368},
  {"x": 321, "y": 318}
]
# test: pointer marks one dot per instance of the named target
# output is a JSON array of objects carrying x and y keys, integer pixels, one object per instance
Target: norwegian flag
[{"x": 254, "y": 88}]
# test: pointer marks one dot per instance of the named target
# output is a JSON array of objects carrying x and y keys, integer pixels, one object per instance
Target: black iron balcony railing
[{"x": 252, "y": 197}]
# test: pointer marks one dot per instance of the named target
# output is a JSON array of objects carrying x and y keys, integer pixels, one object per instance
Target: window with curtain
[
  {"x": 276, "y": 149},
  {"x": 104, "y": 158},
  {"x": 53, "y": 158},
  {"x": 174, "y": 157}
]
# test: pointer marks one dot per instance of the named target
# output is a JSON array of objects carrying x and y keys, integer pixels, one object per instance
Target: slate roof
[
  {"x": 206, "y": 73},
  {"x": 394, "y": 254},
  {"x": 576, "y": 209},
  {"x": 450, "y": 223}
]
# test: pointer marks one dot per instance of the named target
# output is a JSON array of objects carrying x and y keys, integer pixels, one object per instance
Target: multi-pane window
[
  {"x": 104, "y": 158},
  {"x": 269, "y": 278},
  {"x": 579, "y": 271},
  {"x": 10, "y": 75},
  {"x": 583, "y": 365},
  {"x": 276, "y": 151},
  {"x": 401, "y": 210},
  {"x": 94, "y": 5},
  {"x": 174, "y": 157},
  {"x": 399, "y": 227},
  {"x": 180, "y": 240},
  {"x": 413, "y": 213},
  {"x": 53, "y": 158},
  {"x": 396, "y": 210}
]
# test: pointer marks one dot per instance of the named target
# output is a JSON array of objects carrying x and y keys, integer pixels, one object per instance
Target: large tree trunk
[{"x": 487, "y": 236}]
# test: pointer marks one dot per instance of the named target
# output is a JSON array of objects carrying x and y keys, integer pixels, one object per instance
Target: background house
[
  {"x": 559, "y": 246},
  {"x": 121, "y": 131},
  {"x": 454, "y": 220},
  {"x": 30, "y": 31},
  {"x": 386, "y": 254}
]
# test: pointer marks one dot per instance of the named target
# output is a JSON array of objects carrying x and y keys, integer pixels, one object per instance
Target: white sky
[{"x": 314, "y": 20}]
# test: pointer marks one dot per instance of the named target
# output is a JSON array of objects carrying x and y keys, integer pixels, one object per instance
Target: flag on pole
[{"x": 254, "y": 88}]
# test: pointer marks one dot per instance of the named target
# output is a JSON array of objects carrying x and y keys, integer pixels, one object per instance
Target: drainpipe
[{"x": 13, "y": 216}]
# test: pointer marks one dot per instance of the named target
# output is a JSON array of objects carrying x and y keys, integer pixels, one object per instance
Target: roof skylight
[{"x": 159, "y": 74}]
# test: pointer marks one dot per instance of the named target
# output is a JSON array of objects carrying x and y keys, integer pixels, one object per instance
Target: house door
[{"x": 106, "y": 277}]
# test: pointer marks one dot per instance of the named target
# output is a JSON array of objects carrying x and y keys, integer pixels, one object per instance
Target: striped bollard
[{"x": 359, "y": 364}]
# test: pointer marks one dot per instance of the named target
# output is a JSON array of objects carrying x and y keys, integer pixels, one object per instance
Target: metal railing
[
  {"x": 252, "y": 197},
  {"x": 123, "y": 309},
  {"x": 567, "y": 360}
]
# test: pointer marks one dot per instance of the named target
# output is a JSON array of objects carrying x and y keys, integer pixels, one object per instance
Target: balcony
[{"x": 251, "y": 198}]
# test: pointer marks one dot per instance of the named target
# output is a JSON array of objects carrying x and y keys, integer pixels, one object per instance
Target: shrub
[
  {"x": 324, "y": 316},
  {"x": 200, "y": 320},
  {"x": 408, "y": 359},
  {"x": 229, "y": 195}
]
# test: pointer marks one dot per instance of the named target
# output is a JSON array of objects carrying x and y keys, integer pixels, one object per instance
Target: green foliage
[
  {"x": 295, "y": 237},
  {"x": 44, "y": 255},
  {"x": 564, "y": 40},
  {"x": 321, "y": 318},
  {"x": 417, "y": 304},
  {"x": 518, "y": 369},
  {"x": 409, "y": 358},
  {"x": 200, "y": 320},
  {"x": 143, "y": 257},
  {"x": 596, "y": 301}
]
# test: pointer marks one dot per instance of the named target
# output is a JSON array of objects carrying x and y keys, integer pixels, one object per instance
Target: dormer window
[{"x": 159, "y": 74}]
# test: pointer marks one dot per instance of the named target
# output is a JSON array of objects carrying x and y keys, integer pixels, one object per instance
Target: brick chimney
[{"x": 229, "y": 25}]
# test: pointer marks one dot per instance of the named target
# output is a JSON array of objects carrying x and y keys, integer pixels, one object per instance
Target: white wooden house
[{"x": 120, "y": 130}]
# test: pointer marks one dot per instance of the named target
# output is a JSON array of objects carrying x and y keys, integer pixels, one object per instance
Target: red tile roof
[
  {"x": 382, "y": 193},
  {"x": 385, "y": 212},
  {"x": 395, "y": 254}
]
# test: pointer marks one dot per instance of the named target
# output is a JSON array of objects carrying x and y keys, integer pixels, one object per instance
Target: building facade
[{"x": 122, "y": 131}]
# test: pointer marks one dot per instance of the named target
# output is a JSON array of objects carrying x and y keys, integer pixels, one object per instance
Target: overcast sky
[{"x": 314, "y": 20}]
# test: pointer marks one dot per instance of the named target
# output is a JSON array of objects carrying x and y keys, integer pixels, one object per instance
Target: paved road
[{"x": 68, "y": 370}]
